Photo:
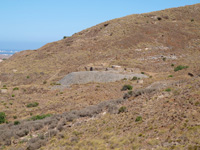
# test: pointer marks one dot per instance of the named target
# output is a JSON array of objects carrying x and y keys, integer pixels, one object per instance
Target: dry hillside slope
[
  {"x": 133, "y": 41},
  {"x": 56, "y": 97}
]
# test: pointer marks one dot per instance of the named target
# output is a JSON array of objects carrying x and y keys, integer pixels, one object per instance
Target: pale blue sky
[{"x": 29, "y": 24}]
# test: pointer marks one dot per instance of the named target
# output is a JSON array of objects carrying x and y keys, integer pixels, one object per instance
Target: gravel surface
[{"x": 84, "y": 77}]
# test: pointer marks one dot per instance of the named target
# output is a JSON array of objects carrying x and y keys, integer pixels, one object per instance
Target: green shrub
[
  {"x": 164, "y": 58},
  {"x": 142, "y": 72},
  {"x": 44, "y": 82},
  {"x": 16, "y": 122},
  {"x": 4, "y": 87},
  {"x": 122, "y": 109},
  {"x": 180, "y": 67},
  {"x": 28, "y": 77},
  {"x": 170, "y": 76},
  {"x": 2, "y": 117},
  {"x": 39, "y": 117},
  {"x": 139, "y": 118},
  {"x": 140, "y": 135},
  {"x": 16, "y": 88},
  {"x": 192, "y": 20},
  {"x": 134, "y": 78},
  {"x": 14, "y": 117},
  {"x": 13, "y": 95},
  {"x": 127, "y": 87},
  {"x": 168, "y": 90},
  {"x": 64, "y": 37},
  {"x": 35, "y": 104},
  {"x": 172, "y": 65}
]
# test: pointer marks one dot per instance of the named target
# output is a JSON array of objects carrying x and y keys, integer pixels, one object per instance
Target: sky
[{"x": 30, "y": 24}]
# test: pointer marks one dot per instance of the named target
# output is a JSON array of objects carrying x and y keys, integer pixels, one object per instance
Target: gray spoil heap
[{"x": 84, "y": 77}]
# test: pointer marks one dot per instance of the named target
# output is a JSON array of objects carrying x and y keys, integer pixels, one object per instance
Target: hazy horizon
[{"x": 31, "y": 24}]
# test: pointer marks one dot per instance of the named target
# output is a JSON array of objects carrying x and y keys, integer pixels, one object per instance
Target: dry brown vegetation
[{"x": 160, "y": 113}]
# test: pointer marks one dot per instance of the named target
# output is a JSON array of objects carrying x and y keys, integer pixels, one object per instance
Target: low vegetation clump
[
  {"x": 130, "y": 92},
  {"x": 2, "y": 117},
  {"x": 35, "y": 104},
  {"x": 164, "y": 59},
  {"x": 127, "y": 87},
  {"x": 4, "y": 87},
  {"x": 139, "y": 118},
  {"x": 54, "y": 83},
  {"x": 168, "y": 90},
  {"x": 134, "y": 78},
  {"x": 180, "y": 67},
  {"x": 122, "y": 109},
  {"x": 170, "y": 76},
  {"x": 197, "y": 103},
  {"x": 13, "y": 95},
  {"x": 16, "y": 122},
  {"x": 39, "y": 117},
  {"x": 16, "y": 88}
]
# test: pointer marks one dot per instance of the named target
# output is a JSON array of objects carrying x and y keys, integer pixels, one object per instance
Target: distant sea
[{"x": 8, "y": 52}]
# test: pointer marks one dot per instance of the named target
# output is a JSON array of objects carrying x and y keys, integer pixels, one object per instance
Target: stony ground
[{"x": 84, "y": 77}]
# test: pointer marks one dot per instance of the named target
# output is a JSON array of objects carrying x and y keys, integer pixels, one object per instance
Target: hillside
[
  {"x": 132, "y": 41},
  {"x": 160, "y": 111}
]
